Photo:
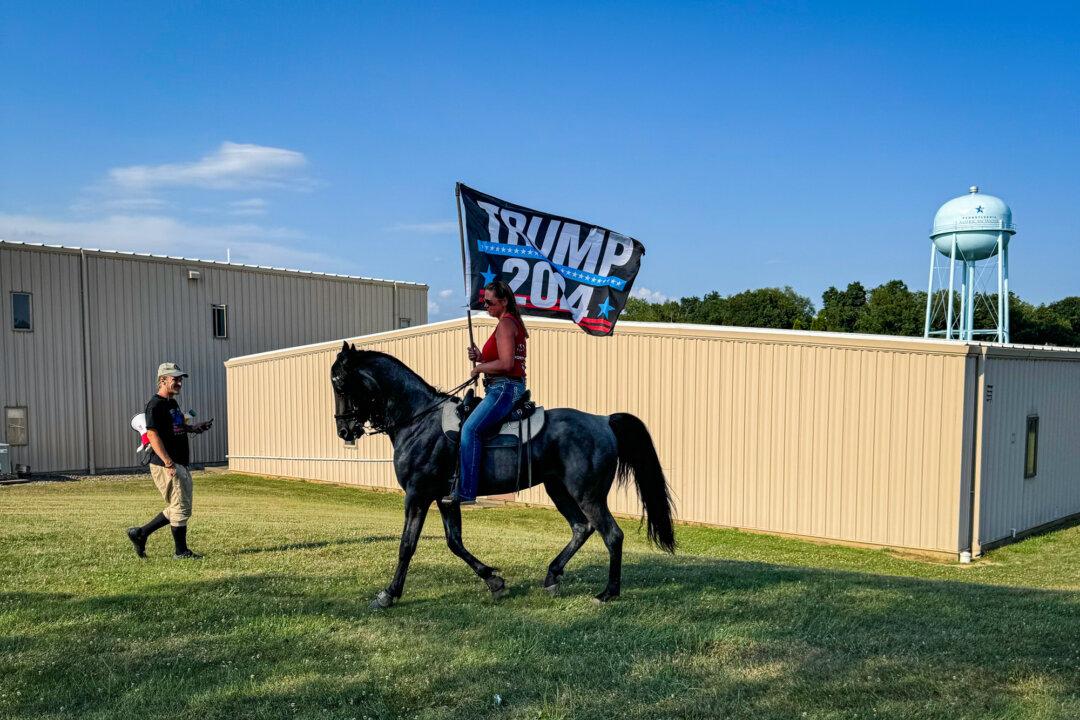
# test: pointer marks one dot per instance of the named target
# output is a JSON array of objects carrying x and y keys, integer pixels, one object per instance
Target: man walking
[{"x": 167, "y": 431}]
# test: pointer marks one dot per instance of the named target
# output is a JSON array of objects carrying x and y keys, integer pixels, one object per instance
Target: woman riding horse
[{"x": 502, "y": 362}]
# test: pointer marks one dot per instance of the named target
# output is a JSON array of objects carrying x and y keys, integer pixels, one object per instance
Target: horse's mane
[{"x": 366, "y": 356}]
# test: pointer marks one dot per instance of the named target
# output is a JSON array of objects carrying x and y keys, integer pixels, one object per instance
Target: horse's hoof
[
  {"x": 382, "y": 601},
  {"x": 552, "y": 589},
  {"x": 605, "y": 597},
  {"x": 497, "y": 586}
]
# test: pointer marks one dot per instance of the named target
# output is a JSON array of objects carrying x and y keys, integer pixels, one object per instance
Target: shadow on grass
[
  {"x": 689, "y": 638},
  {"x": 315, "y": 544}
]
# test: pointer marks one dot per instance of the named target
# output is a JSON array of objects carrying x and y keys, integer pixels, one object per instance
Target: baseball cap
[{"x": 170, "y": 369}]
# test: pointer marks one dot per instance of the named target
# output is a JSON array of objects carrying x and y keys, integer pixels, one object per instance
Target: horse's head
[{"x": 352, "y": 396}]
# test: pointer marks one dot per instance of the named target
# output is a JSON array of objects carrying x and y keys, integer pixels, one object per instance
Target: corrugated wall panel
[
  {"x": 144, "y": 311},
  {"x": 1022, "y": 387},
  {"x": 810, "y": 435},
  {"x": 42, "y": 370}
]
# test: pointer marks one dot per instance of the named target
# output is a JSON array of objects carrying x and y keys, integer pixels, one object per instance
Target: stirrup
[{"x": 455, "y": 499}]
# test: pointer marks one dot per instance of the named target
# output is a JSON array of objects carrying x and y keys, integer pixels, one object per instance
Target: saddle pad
[{"x": 533, "y": 425}]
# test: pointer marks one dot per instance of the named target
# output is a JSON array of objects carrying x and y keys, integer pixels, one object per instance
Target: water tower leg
[
  {"x": 971, "y": 301},
  {"x": 952, "y": 275},
  {"x": 930, "y": 290},
  {"x": 1000, "y": 299},
  {"x": 1005, "y": 292},
  {"x": 962, "y": 322}
]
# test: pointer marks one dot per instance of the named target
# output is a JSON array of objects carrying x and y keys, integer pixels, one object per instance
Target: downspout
[
  {"x": 87, "y": 396},
  {"x": 974, "y": 547},
  {"x": 395, "y": 322}
]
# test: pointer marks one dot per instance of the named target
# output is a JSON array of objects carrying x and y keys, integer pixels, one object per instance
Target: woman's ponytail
[{"x": 503, "y": 292}]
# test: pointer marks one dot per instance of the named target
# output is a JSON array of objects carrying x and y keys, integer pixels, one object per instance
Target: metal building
[
  {"x": 84, "y": 331},
  {"x": 933, "y": 445}
]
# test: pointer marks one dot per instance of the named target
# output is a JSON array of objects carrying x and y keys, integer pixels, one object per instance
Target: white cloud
[
  {"x": 250, "y": 243},
  {"x": 432, "y": 307},
  {"x": 120, "y": 204},
  {"x": 429, "y": 228},
  {"x": 447, "y": 294},
  {"x": 233, "y": 166},
  {"x": 252, "y": 206},
  {"x": 653, "y": 296}
]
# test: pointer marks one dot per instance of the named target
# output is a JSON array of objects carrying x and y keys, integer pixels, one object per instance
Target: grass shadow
[
  {"x": 689, "y": 638},
  {"x": 316, "y": 544}
]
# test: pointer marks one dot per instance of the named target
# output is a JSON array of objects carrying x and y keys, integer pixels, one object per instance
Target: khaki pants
[{"x": 176, "y": 490}]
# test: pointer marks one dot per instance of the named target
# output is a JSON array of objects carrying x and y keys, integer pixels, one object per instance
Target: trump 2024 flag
[{"x": 556, "y": 267}]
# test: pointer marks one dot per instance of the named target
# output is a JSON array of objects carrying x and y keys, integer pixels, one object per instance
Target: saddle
[
  {"x": 507, "y": 456},
  {"x": 525, "y": 421}
]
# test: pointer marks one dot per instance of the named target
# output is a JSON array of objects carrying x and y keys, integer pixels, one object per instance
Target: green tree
[
  {"x": 1038, "y": 325},
  {"x": 1069, "y": 310},
  {"x": 893, "y": 310},
  {"x": 638, "y": 309},
  {"x": 770, "y": 308},
  {"x": 1032, "y": 324},
  {"x": 841, "y": 310},
  {"x": 888, "y": 309}
]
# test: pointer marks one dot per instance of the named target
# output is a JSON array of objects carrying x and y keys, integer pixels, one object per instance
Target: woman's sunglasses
[{"x": 489, "y": 303}]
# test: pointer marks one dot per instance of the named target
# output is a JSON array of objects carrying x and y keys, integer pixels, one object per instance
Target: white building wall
[
  {"x": 145, "y": 310},
  {"x": 1018, "y": 383}
]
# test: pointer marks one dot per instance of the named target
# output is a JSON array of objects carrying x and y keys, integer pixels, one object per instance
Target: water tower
[{"x": 973, "y": 232}]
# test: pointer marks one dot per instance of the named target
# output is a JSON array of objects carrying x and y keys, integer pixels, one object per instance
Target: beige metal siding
[
  {"x": 42, "y": 370},
  {"x": 144, "y": 310},
  {"x": 828, "y": 436},
  {"x": 1049, "y": 388}
]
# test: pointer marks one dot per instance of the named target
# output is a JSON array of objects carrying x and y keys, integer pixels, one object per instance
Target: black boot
[
  {"x": 183, "y": 552},
  {"x": 454, "y": 498},
  {"x": 138, "y": 535}
]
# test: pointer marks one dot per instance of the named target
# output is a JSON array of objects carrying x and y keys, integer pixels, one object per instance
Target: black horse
[{"x": 577, "y": 456}]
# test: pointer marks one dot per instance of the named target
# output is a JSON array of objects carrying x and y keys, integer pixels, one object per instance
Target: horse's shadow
[
  {"x": 316, "y": 544},
  {"x": 781, "y": 637}
]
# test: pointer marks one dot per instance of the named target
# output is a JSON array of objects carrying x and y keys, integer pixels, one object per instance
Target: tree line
[{"x": 888, "y": 309}]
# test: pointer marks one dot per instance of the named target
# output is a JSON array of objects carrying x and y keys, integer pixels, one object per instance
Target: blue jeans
[{"x": 500, "y": 396}]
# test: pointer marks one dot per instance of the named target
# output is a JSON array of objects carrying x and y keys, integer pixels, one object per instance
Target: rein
[{"x": 385, "y": 430}]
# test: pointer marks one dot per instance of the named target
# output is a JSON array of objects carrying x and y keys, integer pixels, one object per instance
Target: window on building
[
  {"x": 404, "y": 322},
  {"x": 21, "y": 312},
  {"x": 1031, "y": 447},
  {"x": 15, "y": 428},
  {"x": 221, "y": 320}
]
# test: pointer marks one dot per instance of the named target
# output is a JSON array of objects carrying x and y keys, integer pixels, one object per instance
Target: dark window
[
  {"x": 15, "y": 428},
  {"x": 221, "y": 321},
  {"x": 1031, "y": 447},
  {"x": 404, "y": 322},
  {"x": 21, "y": 315}
]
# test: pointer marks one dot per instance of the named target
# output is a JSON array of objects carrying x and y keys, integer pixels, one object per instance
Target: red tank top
[{"x": 491, "y": 349}]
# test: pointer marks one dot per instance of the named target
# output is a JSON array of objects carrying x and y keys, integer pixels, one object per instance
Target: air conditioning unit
[
  {"x": 5, "y": 461},
  {"x": 193, "y": 274}
]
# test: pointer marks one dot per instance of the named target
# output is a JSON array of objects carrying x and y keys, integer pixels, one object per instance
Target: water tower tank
[{"x": 975, "y": 220}]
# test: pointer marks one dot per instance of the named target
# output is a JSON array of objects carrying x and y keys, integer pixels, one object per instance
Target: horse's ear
[
  {"x": 344, "y": 346},
  {"x": 354, "y": 348}
]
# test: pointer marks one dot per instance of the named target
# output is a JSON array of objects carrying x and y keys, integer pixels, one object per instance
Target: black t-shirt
[{"x": 163, "y": 416}]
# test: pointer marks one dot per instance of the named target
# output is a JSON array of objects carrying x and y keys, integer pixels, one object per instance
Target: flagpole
[{"x": 464, "y": 273}]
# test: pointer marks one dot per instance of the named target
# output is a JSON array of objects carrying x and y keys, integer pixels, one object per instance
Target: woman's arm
[{"x": 504, "y": 342}]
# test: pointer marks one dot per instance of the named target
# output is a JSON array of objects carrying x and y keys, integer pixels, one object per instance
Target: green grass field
[{"x": 274, "y": 623}]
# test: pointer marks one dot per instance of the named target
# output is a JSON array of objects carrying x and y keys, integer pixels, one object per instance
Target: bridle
[{"x": 354, "y": 415}]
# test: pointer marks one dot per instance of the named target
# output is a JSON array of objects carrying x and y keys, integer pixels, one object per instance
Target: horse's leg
[
  {"x": 451, "y": 517},
  {"x": 579, "y": 526},
  {"x": 601, "y": 519},
  {"x": 415, "y": 511}
]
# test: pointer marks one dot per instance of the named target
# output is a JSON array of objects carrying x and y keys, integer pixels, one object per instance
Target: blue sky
[{"x": 746, "y": 145}]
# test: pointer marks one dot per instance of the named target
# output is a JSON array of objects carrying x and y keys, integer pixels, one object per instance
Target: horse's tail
[{"x": 637, "y": 455}]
